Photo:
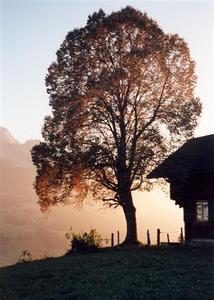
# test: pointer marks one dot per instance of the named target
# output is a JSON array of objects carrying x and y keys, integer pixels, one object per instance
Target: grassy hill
[{"x": 139, "y": 273}]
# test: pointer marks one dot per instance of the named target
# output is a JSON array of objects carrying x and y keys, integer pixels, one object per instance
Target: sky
[{"x": 32, "y": 31}]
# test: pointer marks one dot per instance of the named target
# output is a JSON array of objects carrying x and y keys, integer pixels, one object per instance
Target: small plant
[
  {"x": 25, "y": 257},
  {"x": 44, "y": 256},
  {"x": 85, "y": 242}
]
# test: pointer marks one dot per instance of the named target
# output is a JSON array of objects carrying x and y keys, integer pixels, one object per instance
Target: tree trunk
[{"x": 130, "y": 215}]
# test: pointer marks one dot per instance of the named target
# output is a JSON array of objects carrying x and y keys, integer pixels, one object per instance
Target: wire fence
[{"x": 162, "y": 238}]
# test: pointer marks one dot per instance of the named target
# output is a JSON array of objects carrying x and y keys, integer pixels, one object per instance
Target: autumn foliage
[{"x": 122, "y": 96}]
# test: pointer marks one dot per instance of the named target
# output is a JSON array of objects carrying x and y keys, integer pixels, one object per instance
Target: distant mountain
[
  {"x": 6, "y": 137},
  {"x": 11, "y": 151},
  {"x": 22, "y": 225},
  {"x": 29, "y": 144}
]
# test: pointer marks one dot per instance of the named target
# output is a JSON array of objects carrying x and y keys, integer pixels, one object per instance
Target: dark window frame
[{"x": 204, "y": 206}]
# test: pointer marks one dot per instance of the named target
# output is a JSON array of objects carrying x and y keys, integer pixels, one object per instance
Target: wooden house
[{"x": 190, "y": 172}]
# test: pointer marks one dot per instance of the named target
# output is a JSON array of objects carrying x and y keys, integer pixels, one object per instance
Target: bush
[
  {"x": 25, "y": 257},
  {"x": 85, "y": 242}
]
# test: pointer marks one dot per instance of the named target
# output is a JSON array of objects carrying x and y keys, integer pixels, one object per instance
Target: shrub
[
  {"x": 85, "y": 242},
  {"x": 25, "y": 257}
]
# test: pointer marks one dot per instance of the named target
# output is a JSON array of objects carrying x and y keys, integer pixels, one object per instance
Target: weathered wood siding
[
  {"x": 200, "y": 187},
  {"x": 190, "y": 171},
  {"x": 199, "y": 231}
]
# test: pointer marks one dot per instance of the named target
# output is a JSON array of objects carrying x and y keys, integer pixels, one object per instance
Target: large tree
[{"x": 122, "y": 96}]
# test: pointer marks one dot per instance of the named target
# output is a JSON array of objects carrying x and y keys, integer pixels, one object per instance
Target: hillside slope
[{"x": 148, "y": 273}]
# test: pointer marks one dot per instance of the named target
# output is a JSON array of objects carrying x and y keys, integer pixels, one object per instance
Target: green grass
[{"x": 138, "y": 273}]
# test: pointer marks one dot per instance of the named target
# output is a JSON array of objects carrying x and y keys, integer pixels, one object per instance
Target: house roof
[{"x": 196, "y": 156}]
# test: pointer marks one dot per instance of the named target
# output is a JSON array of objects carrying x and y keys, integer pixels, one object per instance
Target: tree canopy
[{"x": 122, "y": 96}]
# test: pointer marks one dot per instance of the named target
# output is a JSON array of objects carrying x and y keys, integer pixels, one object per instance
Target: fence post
[
  {"x": 148, "y": 238},
  {"x": 182, "y": 236},
  {"x": 112, "y": 240},
  {"x": 168, "y": 241},
  {"x": 118, "y": 237},
  {"x": 158, "y": 236}
]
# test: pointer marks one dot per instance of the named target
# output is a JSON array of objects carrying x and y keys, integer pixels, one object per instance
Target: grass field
[{"x": 139, "y": 273}]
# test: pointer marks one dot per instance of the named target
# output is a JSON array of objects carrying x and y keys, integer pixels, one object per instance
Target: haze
[
  {"x": 23, "y": 226},
  {"x": 31, "y": 32}
]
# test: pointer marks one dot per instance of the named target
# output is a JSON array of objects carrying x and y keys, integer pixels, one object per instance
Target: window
[{"x": 202, "y": 211}]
